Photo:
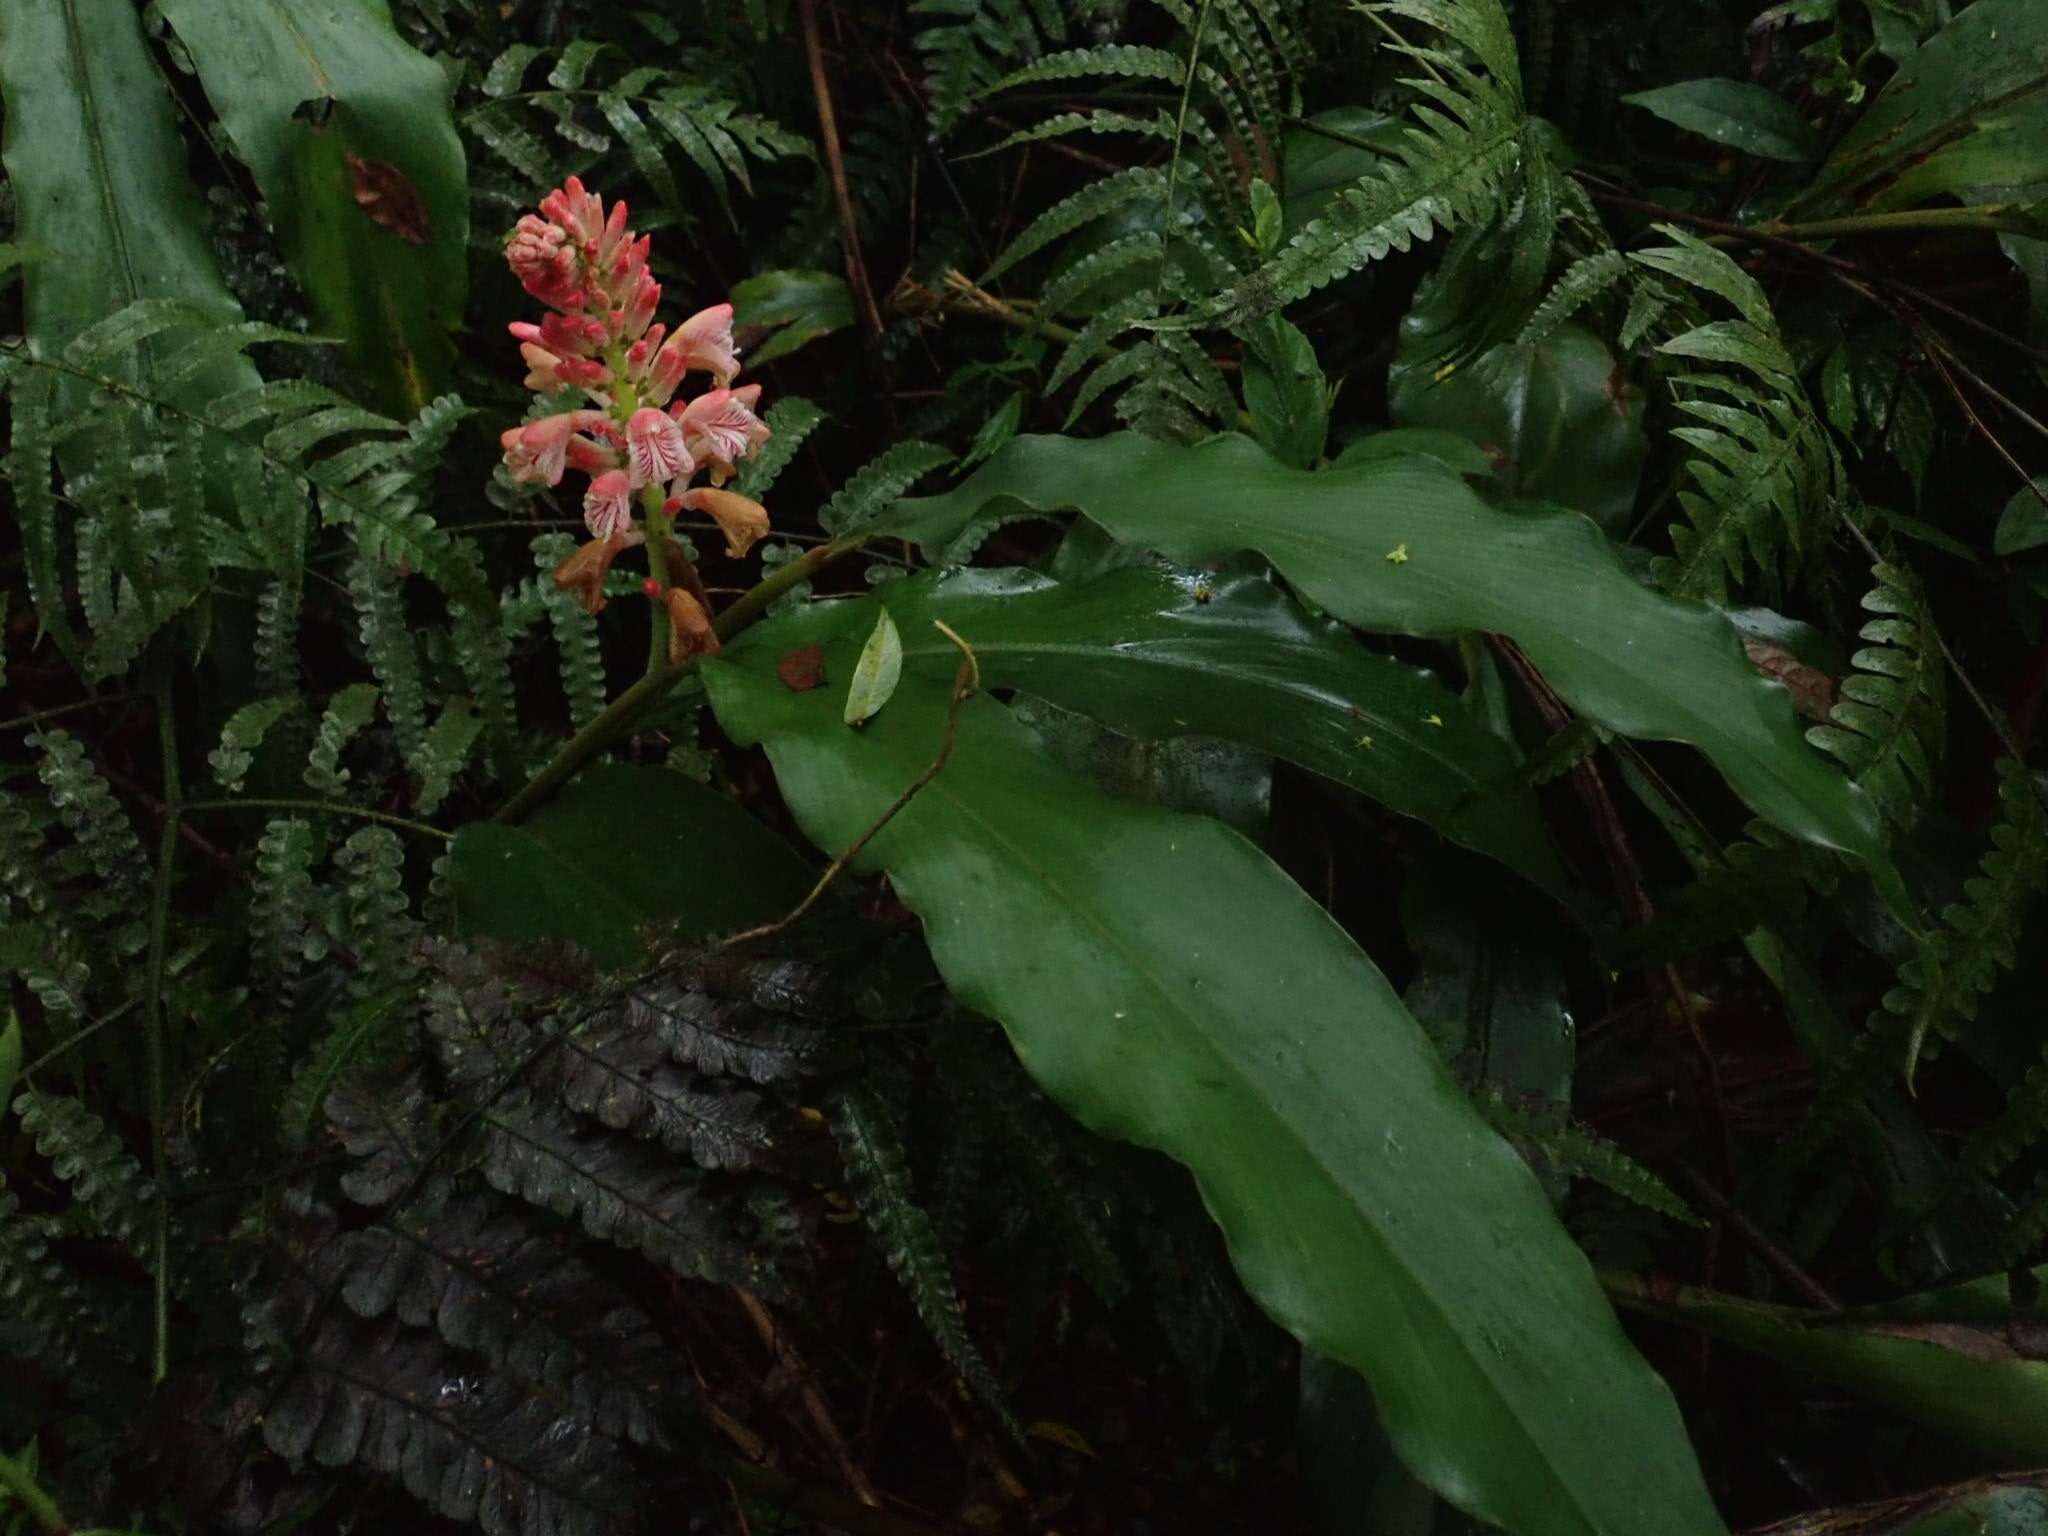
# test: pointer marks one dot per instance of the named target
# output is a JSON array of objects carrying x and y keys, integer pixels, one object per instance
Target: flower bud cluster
[{"x": 635, "y": 439}]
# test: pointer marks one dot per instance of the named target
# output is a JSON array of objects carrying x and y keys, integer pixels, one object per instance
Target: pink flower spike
[
  {"x": 543, "y": 261},
  {"x": 590, "y": 457},
  {"x": 608, "y": 505},
  {"x": 639, "y": 309},
  {"x": 655, "y": 447},
  {"x": 542, "y": 449},
  {"x": 707, "y": 344}
]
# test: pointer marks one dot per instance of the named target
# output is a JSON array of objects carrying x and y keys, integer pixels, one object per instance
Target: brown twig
[
  {"x": 835, "y": 168},
  {"x": 966, "y": 683},
  {"x": 790, "y": 1360},
  {"x": 1760, "y": 1242}
]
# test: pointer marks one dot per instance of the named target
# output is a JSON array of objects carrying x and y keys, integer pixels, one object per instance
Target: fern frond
[
  {"x": 1765, "y": 474},
  {"x": 970, "y": 44},
  {"x": 377, "y": 915},
  {"x": 393, "y": 651},
  {"x": 878, "y": 1175},
  {"x": 1579, "y": 1153},
  {"x": 482, "y": 1448},
  {"x": 1468, "y": 153},
  {"x": 103, "y": 834},
  {"x": 790, "y": 420},
  {"x": 1940, "y": 986},
  {"x": 594, "y": 98},
  {"x": 105, "y": 1182},
  {"x": 623, "y": 1192},
  {"x": 347, "y": 713},
  {"x": 1098, "y": 199},
  {"x": 1583, "y": 281},
  {"x": 445, "y": 752},
  {"x": 43, "y": 1313},
  {"x": 878, "y": 483},
  {"x": 1891, "y": 717},
  {"x": 576, "y": 642},
  {"x": 281, "y": 905},
  {"x": 242, "y": 735}
]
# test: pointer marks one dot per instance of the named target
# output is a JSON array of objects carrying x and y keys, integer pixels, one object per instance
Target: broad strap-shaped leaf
[
  {"x": 622, "y": 847},
  {"x": 1966, "y": 115},
  {"x": 348, "y": 132},
  {"x": 1168, "y": 985},
  {"x": 1158, "y": 653},
  {"x": 105, "y": 213},
  {"x": 1400, "y": 543}
]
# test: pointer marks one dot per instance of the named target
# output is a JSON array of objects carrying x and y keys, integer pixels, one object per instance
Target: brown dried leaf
[
  {"x": 803, "y": 669},
  {"x": 382, "y": 192}
]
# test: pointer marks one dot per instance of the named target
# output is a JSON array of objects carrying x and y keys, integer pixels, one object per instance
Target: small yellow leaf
[
  {"x": 1365, "y": 742},
  {"x": 1432, "y": 719},
  {"x": 1060, "y": 1434},
  {"x": 1398, "y": 555}
]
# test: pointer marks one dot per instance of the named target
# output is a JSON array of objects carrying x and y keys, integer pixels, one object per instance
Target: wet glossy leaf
[
  {"x": 1635, "y": 662},
  {"x": 2023, "y": 524},
  {"x": 1140, "y": 960},
  {"x": 1158, "y": 654}
]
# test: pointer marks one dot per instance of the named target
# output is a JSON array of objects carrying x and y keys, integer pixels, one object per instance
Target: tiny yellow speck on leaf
[
  {"x": 1432, "y": 719},
  {"x": 1398, "y": 555},
  {"x": 1443, "y": 373},
  {"x": 1365, "y": 742}
]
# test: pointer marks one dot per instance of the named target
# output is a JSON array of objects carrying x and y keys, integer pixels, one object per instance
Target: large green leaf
[
  {"x": 1159, "y": 654},
  {"x": 348, "y": 132},
  {"x": 1736, "y": 113},
  {"x": 105, "y": 214},
  {"x": 1963, "y": 1360},
  {"x": 1400, "y": 543},
  {"x": 1168, "y": 985},
  {"x": 1966, "y": 115},
  {"x": 622, "y": 847}
]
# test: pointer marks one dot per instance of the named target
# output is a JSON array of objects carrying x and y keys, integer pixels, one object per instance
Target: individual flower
[
  {"x": 608, "y": 504},
  {"x": 742, "y": 520},
  {"x": 721, "y": 428},
  {"x": 537, "y": 453},
  {"x": 655, "y": 447},
  {"x": 582, "y": 574},
  {"x": 689, "y": 628}
]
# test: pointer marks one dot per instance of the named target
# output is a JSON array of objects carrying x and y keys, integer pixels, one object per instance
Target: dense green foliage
[{"x": 1362, "y": 855}]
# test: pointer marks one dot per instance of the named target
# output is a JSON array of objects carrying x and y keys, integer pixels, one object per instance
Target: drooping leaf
[
  {"x": 1734, "y": 112},
  {"x": 1284, "y": 391},
  {"x": 875, "y": 671},
  {"x": 348, "y": 133},
  {"x": 797, "y": 307},
  {"x": 1158, "y": 654},
  {"x": 622, "y": 847},
  {"x": 1966, "y": 115},
  {"x": 2023, "y": 524},
  {"x": 1139, "y": 959},
  {"x": 1639, "y": 664}
]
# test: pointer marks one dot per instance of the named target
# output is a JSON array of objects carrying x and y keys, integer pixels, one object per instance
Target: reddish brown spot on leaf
[
  {"x": 803, "y": 669},
  {"x": 1813, "y": 691},
  {"x": 382, "y": 192}
]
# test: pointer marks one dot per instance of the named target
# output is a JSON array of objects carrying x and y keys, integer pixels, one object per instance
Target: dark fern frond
[
  {"x": 242, "y": 735},
  {"x": 1890, "y": 721},
  {"x": 106, "y": 1183},
  {"x": 103, "y": 834},
  {"x": 281, "y": 909},
  {"x": 1579, "y": 1153},
  {"x": 347, "y": 713},
  {"x": 878, "y": 483},
  {"x": 878, "y": 1174},
  {"x": 43, "y": 1313},
  {"x": 969, "y": 44},
  {"x": 471, "y": 1446}
]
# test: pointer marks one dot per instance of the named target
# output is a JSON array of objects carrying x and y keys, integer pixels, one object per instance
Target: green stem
[
  {"x": 619, "y": 715},
  {"x": 658, "y": 525},
  {"x": 154, "y": 1025},
  {"x": 42, "y": 1509},
  {"x": 322, "y": 807},
  {"x": 1999, "y": 218}
]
